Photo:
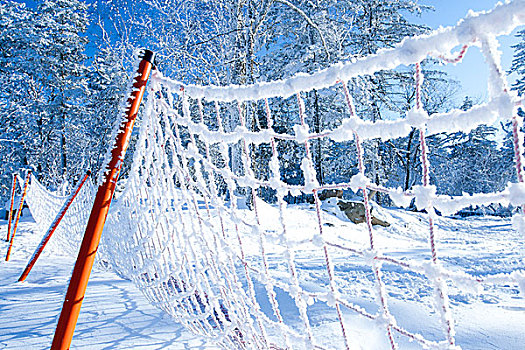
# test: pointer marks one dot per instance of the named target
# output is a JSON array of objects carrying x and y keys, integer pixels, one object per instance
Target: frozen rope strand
[
  {"x": 310, "y": 181},
  {"x": 439, "y": 283},
  {"x": 381, "y": 292}
]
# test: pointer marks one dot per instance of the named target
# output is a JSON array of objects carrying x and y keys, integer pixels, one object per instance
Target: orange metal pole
[
  {"x": 86, "y": 256},
  {"x": 52, "y": 228},
  {"x": 18, "y": 213},
  {"x": 11, "y": 208}
]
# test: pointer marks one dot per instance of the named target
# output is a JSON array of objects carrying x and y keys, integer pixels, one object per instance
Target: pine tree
[
  {"x": 43, "y": 62},
  {"x": 470, "y": 162},
  {"x": 518, "y": 63},
  {"x": 108, "y": 80},
  {"x": 59, "y": 65},
  {"x": 18, "y": 93}
]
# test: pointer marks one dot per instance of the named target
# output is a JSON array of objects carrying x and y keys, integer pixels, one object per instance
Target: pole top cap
[{"x": 147, "y": 55}]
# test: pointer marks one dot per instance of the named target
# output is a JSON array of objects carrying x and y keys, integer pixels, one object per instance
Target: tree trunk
[
  {"x": 408, "y": 160},
  {"x": 318, "y": 142}
]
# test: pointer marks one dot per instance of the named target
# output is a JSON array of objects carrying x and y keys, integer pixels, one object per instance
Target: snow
[
  {"x": 409, "y": 292},
  {"x": 115, "y": 314},
  {"x": 417, "y": 117},
  {"x": 359, "y": 181},
  {"x": 278, "y": 274},
  {"x": 424, "y": 195}
]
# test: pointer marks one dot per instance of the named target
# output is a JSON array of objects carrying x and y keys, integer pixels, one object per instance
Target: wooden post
[
  {"x": 18, "y": 214},
  {"x": 86, "y": 256},
  {"x": 52, "y": 228},
  {"x": 11, "y": 207}
]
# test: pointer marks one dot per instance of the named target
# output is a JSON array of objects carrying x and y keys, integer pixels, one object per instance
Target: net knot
[
  {"x": 359, "y": 181},
  {"x": 400, "y": 197},
  {"x": 301, "y": 132},
  {"x": 424, "y": 196},
  {"x": 417, "y": 117},
  {"x": 516, "y": 193}
]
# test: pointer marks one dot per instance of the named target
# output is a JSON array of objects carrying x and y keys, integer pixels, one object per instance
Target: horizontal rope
[{"x": 500, "y": 21}]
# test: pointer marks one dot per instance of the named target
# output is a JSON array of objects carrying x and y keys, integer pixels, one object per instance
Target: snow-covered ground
[
  {"x": 487, "y": 316},
  {"x": 115, "y": 315}
]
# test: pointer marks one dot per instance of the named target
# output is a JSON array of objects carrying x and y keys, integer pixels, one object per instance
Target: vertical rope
[
  {"x": 498, "y": 85},
  {"x": 518, "y": 148},
  {"x": 220, "y": 211},
  {"x": 439, "y": 283},
  {"x": 329, "y": 267},
  {"x": 368, "y": 216},
  {"x": 298, "y": 298},
  {"x": 236, "y": 229},
  {"x": 269, "y": 285}
]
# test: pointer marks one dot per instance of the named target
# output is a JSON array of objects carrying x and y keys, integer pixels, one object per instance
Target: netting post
[
  {"x": 88, "y": 249},
  {"x": 11, "y": 208},
  {"x": 18, "y": 214},
  {"x": 52, "y": 228}
]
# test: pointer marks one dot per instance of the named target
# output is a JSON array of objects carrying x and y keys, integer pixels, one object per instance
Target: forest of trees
[{"x": 65, "y": 66}]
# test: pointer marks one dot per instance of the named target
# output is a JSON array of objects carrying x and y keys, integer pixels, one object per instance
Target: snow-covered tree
[
  {"x": 470, "y": 162},
  {"x": 43, "y": 65},
  {"x": 518, "y": 63},
  {"x": 316, "y": 34},
  {"x": 19, "y": 91},
  {"x": 60, "y": 70},
  {"x": 401, "y": 157},
  {"x": 108, "y": 80}
]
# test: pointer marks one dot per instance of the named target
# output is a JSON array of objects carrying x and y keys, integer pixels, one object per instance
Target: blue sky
[{"x": 472, "y": 72}]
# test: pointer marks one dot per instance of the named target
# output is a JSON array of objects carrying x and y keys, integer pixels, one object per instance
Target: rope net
[
  {"x": 45, "y": 205},
  {"x": 204, "y": 229}
]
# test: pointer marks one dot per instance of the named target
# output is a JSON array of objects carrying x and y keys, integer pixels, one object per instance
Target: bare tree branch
[{"x": 310, "y": 22}]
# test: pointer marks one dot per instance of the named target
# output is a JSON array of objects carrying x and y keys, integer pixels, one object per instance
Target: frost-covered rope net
[
  {"x": 44, "y": 205},
  {"x": 203, "y": 228},
  {"x": 192, "y": 230}
]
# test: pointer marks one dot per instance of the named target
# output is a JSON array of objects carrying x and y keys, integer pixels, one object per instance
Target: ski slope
[{"x": 115, "y": 315}]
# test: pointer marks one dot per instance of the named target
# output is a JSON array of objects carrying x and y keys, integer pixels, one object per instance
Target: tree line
[{"x": 65, "y": 66}]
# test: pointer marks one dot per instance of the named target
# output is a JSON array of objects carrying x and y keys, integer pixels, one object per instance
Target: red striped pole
[
  {"x": 52, "y": 228},
  {"x": 86, "y": 256},
  {"x": 11, "y": 208},
  {"x": 18, "y": 213}
]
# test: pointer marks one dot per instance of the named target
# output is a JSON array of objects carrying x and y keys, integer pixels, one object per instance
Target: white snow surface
[{"x": 115, "y": 315}]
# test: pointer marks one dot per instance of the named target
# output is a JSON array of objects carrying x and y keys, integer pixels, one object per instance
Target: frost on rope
[
  {"x": 203, "y": 229},
  {"x": 44, "y": 205}
]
